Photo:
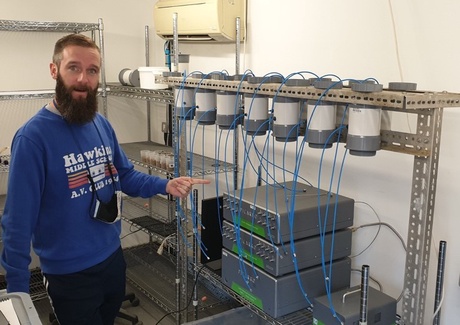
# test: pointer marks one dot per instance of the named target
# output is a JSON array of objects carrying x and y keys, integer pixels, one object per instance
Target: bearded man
[{"x": 67, "y": 173}]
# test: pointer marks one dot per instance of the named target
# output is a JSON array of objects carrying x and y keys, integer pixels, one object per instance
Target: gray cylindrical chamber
[
  {"x": 239, "y": 77},
  {"x": 184, "y": 102},
  {"x": 256, "y": 114},
  {"x": 402, "y": 86},
  {"x": 171, "y": 74},
  {"x": 325, "y": 138},
  {"x": 128, "y": 77},
  {"x": 205, "y": 112},
  {"x": 302, "y": 102},
  {"x": 363, "y": 137},
  {"x": 228, "y": 110},
  {"x": 325, "y": 83},
  {"x": 341, "y": 120},
  {"x": 183, "y": 63},
  {"x": 321, "y": 124},
  {"x": 265, "y": 80},
  {"x": 286, "y": 113}
]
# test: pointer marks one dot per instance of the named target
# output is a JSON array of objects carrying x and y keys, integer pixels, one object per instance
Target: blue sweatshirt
[{"x": 50, "y": 200}]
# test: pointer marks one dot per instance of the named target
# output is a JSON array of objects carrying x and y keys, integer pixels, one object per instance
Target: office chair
[{"x": 123, "y": 314}]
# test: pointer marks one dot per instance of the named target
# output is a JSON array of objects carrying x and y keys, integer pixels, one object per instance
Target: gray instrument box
[
  {"x": 264, "y": 211},
  {"x": 279, "y": 296},
  {"x": 381, "y": 308},
  {"x": 277, "y": 259}
]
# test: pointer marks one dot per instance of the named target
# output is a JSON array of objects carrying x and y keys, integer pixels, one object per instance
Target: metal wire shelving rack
[
  {"x": 154, "y": 275},
  {"x": 423, "y": 145}
]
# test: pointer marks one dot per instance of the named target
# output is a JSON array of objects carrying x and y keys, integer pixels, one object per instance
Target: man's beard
[{"x": 75, "y": 111}]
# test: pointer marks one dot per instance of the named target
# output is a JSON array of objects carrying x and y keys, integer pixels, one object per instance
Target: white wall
[{"x": 352, "y": 39}]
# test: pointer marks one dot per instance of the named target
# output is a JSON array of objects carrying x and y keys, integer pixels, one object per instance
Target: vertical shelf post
[
  {"x": 423, "y": 195},
  {"x": 103, "y": 78}
]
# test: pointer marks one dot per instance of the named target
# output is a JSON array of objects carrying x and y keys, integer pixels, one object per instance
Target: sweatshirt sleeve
[
  {"x": 21, "y": 212},
  {"x": 133, "y": 182}
]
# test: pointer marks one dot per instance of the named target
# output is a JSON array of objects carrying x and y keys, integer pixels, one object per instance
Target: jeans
[{"x": 92, "y": 296}]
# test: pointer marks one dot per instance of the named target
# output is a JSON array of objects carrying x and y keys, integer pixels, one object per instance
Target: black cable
[
  {"x": 189, "y": 301},
  {"x": 130, "y": 233}
]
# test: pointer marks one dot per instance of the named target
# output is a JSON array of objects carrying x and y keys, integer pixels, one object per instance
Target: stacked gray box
[
  {"x": 277, "y": 259},
  {"x": 279, "y": 296},
  {"x": 263, "y": 211},
  {"x": 258, "y": 260}
]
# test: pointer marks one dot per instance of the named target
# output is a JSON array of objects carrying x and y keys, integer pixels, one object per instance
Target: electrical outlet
[{"x": 164, "y": 127}]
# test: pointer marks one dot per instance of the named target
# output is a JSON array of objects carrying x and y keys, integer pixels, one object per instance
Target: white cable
[
  {"x": 163, "y": 243},
  {"x": 439, "y": 306},
  {"x": 395, "y": 35},
  {"x": 398, "y": 56}
]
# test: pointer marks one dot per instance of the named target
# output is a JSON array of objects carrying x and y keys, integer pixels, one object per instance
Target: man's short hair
[{"x": 72, "y": 39}]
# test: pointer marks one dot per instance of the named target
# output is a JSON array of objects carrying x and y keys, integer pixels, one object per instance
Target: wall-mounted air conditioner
[{"x": 200, "y": 20}]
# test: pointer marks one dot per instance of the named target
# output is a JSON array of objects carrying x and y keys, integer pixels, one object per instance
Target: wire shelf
[
  {"x": 29, "y": 95},
  {"x": 154, "y": 216},
  {"x": 133, "y": 151},
  {"x": 155, "y": 276},
  {"x": 36, "y": 288},
  {"x": 155, "y": 208},
  {"x": 201, "y": 165},
  {"x": 161, "y": 96},
  {"x": 47, "y": 26},
  {"x": 4, "y": 163}
]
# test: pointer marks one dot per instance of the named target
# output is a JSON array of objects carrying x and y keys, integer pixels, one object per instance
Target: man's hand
[{"x": 181, "y": 186}]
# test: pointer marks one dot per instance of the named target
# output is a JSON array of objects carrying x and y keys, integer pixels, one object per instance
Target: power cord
[
  {"x": 163, "y": 244},
  {"x": 380, "y": 224}
]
